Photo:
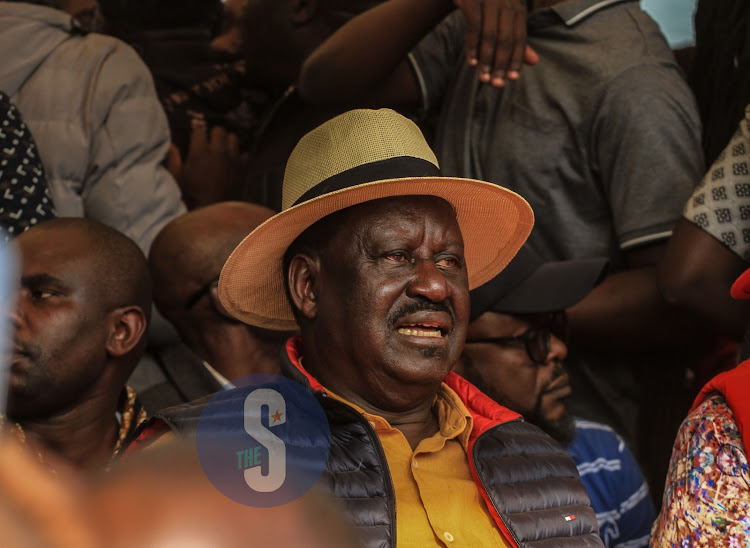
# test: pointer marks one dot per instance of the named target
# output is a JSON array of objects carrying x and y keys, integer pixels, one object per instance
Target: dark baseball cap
[{"x": 531, "y": 285}]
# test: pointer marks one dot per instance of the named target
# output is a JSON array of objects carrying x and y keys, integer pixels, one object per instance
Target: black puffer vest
[{"x": 529, "y": 482}]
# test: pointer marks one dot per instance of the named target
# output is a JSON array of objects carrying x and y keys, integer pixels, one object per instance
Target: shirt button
[
  {"x": 372, "y": 424},
  {"x": 447, "y": 536},
  {"x": 414, "y": 463}
]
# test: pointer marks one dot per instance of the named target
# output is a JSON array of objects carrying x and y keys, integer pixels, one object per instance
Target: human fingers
[
  {"x": 472, "y": 12},
  {"x": 492, "y": 38},
  {"x": 198, "y": 135},
  {"x": 513, "y": 28},
  {"x": 219, "y": 138},
  {"x": 530, "y": 56}
]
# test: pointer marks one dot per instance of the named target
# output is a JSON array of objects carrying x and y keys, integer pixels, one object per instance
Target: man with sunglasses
[{"x": 515, "y": 351}]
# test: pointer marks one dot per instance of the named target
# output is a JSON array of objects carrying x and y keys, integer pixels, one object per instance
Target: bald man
[
  {"x": 186, "y": 259},
  {"x": 83, "y": 307}
]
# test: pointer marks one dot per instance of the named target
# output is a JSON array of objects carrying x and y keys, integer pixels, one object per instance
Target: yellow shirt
[{"x": 437, "y": 501}]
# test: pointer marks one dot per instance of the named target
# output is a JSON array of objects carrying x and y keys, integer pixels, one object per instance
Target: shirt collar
[
  {"x": 225, "y": 383},
  {"x": 571, "y": 12},
  {"x": 454, "y": 418}
]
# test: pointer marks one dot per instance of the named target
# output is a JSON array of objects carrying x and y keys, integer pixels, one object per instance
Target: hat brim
[
  {"x": 553, "y": 286},
  {"x": 494, "y": 222}
]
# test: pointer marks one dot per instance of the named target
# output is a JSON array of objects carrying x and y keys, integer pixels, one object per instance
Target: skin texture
[
  {"x": 627, "y": 312},
  {"x": 392, "y": 264},
  {"x": 59, "y": 339},
  {"x": 507, "y": 374},
  {"x": 696, "y": 274},
  {"x": 78, "y": 330},
  {"x": 188, "y": 253}
]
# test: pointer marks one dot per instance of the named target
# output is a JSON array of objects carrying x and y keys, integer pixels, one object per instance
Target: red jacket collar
[
  {"x": 485, "y": 412},
  {"x": 734, "y": 385}
]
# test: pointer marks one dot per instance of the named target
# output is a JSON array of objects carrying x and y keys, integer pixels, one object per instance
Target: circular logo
[{"x": 265, "y": 442}]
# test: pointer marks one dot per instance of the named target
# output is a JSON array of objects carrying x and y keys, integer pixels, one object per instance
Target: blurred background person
[
  {"x": 215, "y": 348},
  {"x": 90, "y": 103}
]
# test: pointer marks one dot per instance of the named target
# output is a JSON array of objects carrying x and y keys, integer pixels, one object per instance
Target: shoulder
[
  {"x": 116, "y": 56},
  {"x": 708, "y": 484},
  {"x": 711, "y": 421}
]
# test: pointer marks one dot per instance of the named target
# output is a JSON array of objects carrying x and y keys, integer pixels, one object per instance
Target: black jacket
[{"x": 529, "y": 482}]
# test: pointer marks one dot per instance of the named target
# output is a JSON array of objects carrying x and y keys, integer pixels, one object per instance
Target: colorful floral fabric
[{"x": 707, "y": 493}]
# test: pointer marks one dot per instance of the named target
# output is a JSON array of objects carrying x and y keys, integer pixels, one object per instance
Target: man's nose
[
  {"x": 15, "y": 314},
  {"x": 428, "y": 281},
  {"x": 558, "y": 350}
]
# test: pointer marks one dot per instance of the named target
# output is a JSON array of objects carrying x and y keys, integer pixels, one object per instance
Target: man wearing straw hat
[{"x": 372, "y": 257}]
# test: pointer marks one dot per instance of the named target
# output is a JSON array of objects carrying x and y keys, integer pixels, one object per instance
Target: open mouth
[{"x": 421, "y": 331}]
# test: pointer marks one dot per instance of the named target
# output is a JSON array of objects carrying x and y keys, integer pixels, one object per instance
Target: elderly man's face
[{"x": 393, "y": 293}]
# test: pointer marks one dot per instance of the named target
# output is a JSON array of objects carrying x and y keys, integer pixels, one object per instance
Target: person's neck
[
  {"x": 406, "y": 407},
  {"x": 234, "y": 351},
  {"x": 417, "y": 423},
  {"x": 84, "y": 436}
]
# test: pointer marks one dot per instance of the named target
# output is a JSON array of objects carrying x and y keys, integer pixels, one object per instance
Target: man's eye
[
  {"x": 41, "y": 294},
  {"x": 447, "y": 262},
  {"x": 397, "y": 256}
]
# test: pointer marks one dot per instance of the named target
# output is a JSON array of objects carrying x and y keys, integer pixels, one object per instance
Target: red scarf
[{"x": 734, "y": 385}]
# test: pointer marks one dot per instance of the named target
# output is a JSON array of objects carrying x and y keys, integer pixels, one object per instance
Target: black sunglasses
[
  {"x": 537, "y": 339},
  {"x": 202, "y": 292}
]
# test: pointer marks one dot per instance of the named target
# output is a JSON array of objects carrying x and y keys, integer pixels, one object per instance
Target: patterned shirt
[
  {"x": 24, "y": 196},
  {"x": 720, "y": 204},
  {"x": 619, "y": 494},
  {"x": 707, "y": 494}
]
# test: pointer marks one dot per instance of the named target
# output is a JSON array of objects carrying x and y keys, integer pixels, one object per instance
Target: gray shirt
[{"x": 602, "y": 136}]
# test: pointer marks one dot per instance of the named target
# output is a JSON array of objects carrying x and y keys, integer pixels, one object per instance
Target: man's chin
[{"x": 562, "y": 430}]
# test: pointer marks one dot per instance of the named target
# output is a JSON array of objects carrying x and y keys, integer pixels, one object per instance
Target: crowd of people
[{"x": 500, "y": 245}]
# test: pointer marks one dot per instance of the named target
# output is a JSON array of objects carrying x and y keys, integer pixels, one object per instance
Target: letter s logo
[{"x": 276, "y": 447}]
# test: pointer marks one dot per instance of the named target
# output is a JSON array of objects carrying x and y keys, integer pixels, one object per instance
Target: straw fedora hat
[{"x": 359, "y": 156}]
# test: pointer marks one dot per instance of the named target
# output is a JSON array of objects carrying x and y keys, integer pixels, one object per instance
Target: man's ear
[
  {"x": 302, "y": 11},
  {"x": 303, "y": 275},
  {"x": 127, "y": 326}
]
